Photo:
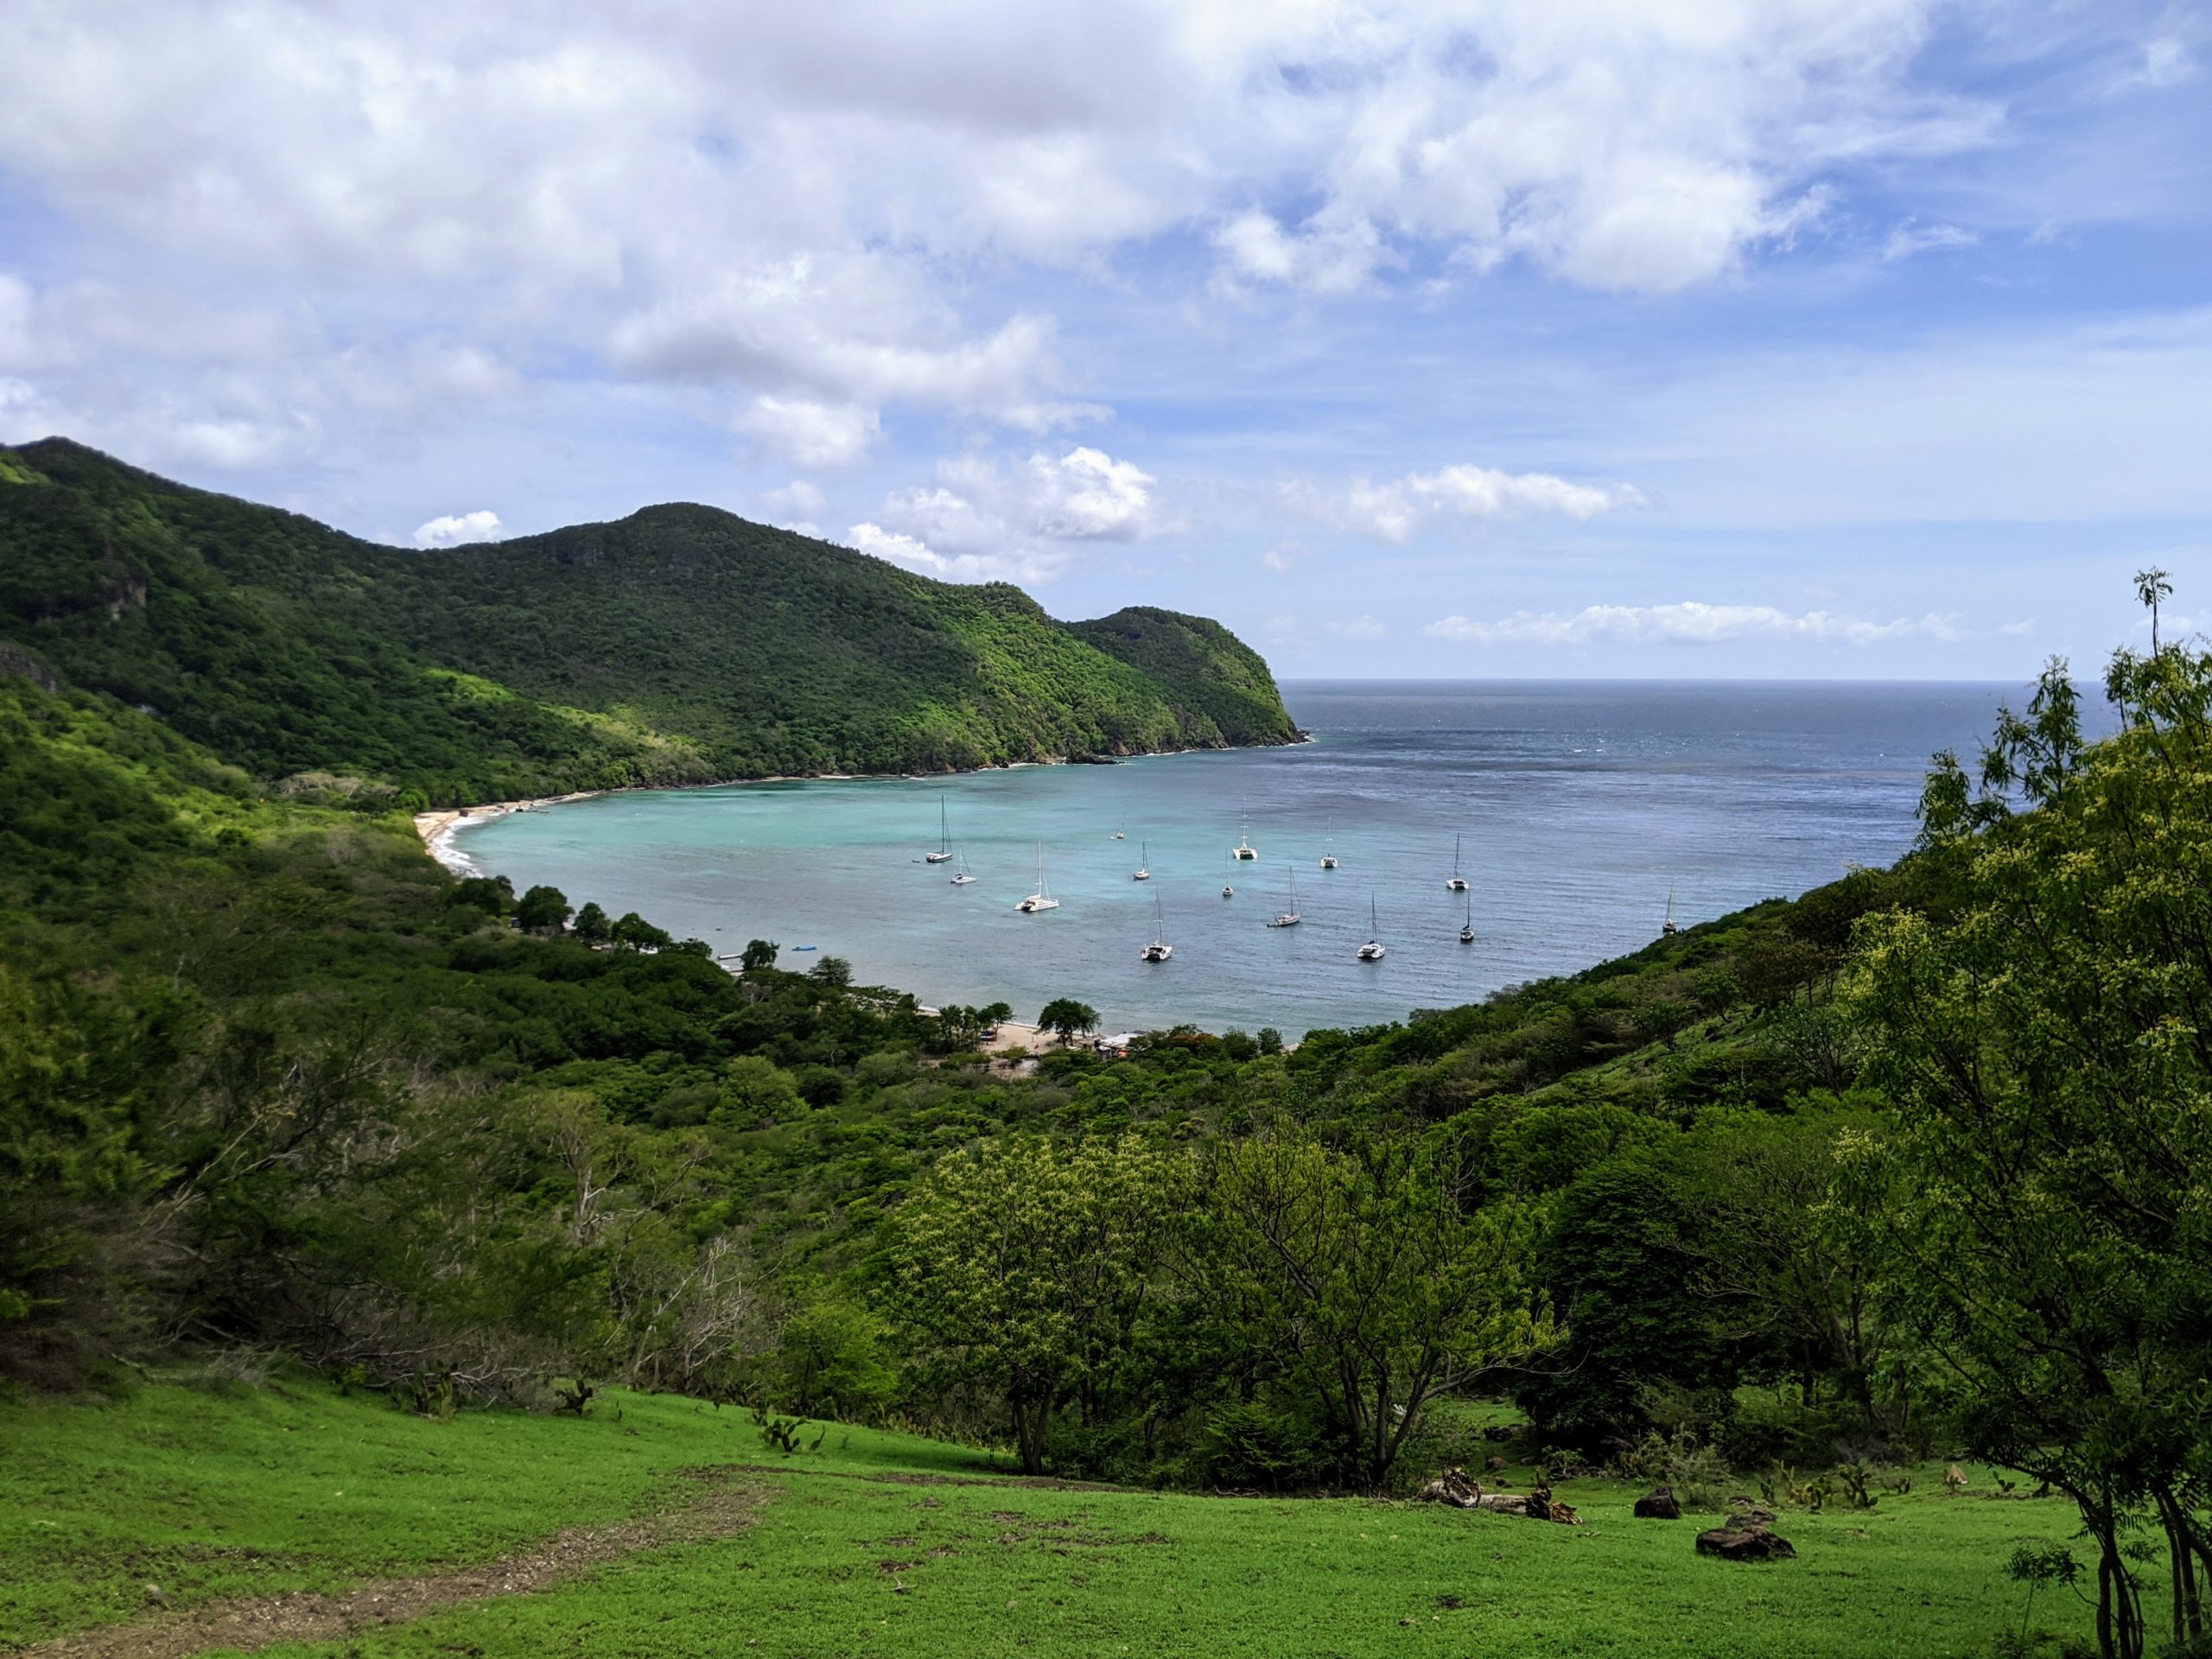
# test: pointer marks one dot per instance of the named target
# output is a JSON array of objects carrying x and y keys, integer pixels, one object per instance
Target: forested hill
[{"x": 681, "y": 643}]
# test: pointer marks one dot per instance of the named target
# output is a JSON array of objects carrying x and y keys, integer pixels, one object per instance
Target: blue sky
[{"x": 1856, "y": 338}]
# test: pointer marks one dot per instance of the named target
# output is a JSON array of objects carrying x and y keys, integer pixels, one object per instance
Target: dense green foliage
[{"x": 680, "y": 645}]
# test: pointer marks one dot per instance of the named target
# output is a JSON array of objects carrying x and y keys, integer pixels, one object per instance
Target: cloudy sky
[{"x": 1511, "y": 337}]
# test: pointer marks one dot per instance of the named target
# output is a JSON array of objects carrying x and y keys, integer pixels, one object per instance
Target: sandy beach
[{"x": 437, "y": 827}]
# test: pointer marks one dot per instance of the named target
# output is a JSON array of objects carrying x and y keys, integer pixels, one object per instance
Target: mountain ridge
[{"x": 678, "y": 644}]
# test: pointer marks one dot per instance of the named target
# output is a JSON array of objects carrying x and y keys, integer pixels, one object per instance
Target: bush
[{"x": 1255, "y": 1445}]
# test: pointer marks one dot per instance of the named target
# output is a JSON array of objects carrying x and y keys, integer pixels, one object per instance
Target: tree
[
  {"x": 2152, "y": 586},
  {"x": 1065, "y": 1018},
  {"x": 759, "y": 954},
  {"x": 492, "y": 894},
  {"x": 543, "y": 910},
  {"x": 835, "y": 973},
  {"x": 592, "y": 925},
  {"x": 635, "y": 932},
  {"x": 830, "y": 1358},
  {"x": 1023, "y": 1268},
  {"x": 2047, "y": 1062},
  {"x": 1370, "y": 1268}
]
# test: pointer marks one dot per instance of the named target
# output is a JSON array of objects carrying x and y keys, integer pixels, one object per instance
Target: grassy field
[{"x": 882, "y": 1543}]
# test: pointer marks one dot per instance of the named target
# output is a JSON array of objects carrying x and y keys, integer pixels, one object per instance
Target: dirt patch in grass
[{"x": 712, "y": 1503}]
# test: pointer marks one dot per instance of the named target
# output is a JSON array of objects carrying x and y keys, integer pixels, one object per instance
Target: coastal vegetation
[
  {"x": 680, "y": 644},
  {"x": 1798, "y": 1207}
]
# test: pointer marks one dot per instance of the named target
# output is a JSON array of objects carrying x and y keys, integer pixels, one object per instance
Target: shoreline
[{"x": 437, "y": 827}]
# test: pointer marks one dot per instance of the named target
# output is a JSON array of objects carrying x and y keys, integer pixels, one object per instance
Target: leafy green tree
[
  {"x": 1066, "y": 1018},
  {"x": 492, "y": 894},
  {"x": 757, "y": 1093},
  {"x": 830, "y": 1358},
  {"x": 592, "y": 925},
  {"x": 1022, "y": 1268},
  {"x": 1270, "y": 1040},
  {"x": 835, "y": 973},
  {"x": 635, "y": 932},
  {"x": 543, "y": 910},
  {"x": 2037, "y": 1198},
  {"x": 1371, "y": 1266},
  {"x": 759, "y": 954}
]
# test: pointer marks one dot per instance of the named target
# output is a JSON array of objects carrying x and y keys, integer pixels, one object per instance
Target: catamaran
[
  {"x": 1329, "y": 852},
  {"x": 1372, "y": 950},
  {"x": 1144, "y": 863},
  {"x": 1289, "y": 917},
  {"x": 1243, "y": 849},
  {"x": 944, "y": 853},
  {"x": 1667, "y": 928},
  {"x": 963, "y": 875},
  {"x": 1042, "y": 899},
  {"x": 1467, "y": 931},
  {"x": 1458, "y": 882},
  {"x": 1159, "y": 949}
]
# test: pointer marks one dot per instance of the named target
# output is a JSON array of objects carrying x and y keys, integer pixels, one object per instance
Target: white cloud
[
  {"x": 1910, "y": 237},
  {"x": 2166, "y": 62},
  {"x": 808, "y": 433},
  {"x": 1688, "y": 623},
  {"x": 784, "y": 207},
  {"x": 1395, "y": 509},
  {"x": 798, "y": 505},
  {"x": 451, "y": 530},
  {"x": 1360, "y": 627},
  {"x": 1088, "y": 496},
  {"x": 1015, "y": 522},
  {"x": 1016, "y": 565},
  {"x": 1335, "y": 253}
]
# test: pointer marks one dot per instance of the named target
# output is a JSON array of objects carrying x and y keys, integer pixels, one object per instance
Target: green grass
[{"x": 882, "y": 1543}]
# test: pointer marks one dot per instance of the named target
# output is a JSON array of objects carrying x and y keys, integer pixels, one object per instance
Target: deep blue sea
[{"x": 1579, "y": 807}]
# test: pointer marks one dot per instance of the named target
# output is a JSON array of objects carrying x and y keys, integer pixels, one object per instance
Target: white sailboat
[
  {"x": 1458, "y": 882},
  {"x": 1228, "y": 892},
  {"x": 944, "y": 853},
  {"x": 1373, "y": 950},
  {"x": 1243, "y": 849},
  {"x": 1667, "y": 928},
  {"x": 1289, "y": 917},
  {"x": 1159, "y": 949},
  {"x": 963, "y": 875},
  {"x": 1144, "y": 863},
  {"x": 1042, "y": 899},
  {"x": 1328, "y": 851},
  {"x": 1467, "y": 931},
  {"x": 1118, "y": 835}
]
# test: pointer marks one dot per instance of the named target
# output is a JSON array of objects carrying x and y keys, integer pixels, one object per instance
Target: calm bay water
[{"x": 1581, "y": 805}]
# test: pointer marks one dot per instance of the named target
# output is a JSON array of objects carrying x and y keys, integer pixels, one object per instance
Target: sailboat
[
  {"x": 1329, "y": 852},
  {"x": 1289, "y": 917},
  {"x": 1118, "y": 835},
  {"x": 1467, "y": 931},
  {"x": 1243, "y": 849},
  {"x": 1458, "y": 882},
  {"x": 1667, "y": 928},
  {"x": 1372, "y": 950},
  {"x": 1159, "y": 949},
  {"x": 1042, "y": 899},
  {"x": 1144, "y": 863},
  {"x": 963, "y": 875},
  {"x": 944, "y": 853},
  {"x": 1228, "y": 892}
]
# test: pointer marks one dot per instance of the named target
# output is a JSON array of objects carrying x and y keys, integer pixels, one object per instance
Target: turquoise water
[{"x": 1581, "y": 805}]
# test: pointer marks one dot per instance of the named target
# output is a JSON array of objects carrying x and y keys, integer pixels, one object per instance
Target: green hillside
[{"x": 680, "y": 645}]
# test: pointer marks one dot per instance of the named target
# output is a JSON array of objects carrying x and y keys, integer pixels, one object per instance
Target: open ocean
[{"x": 1581, "y": 803}]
